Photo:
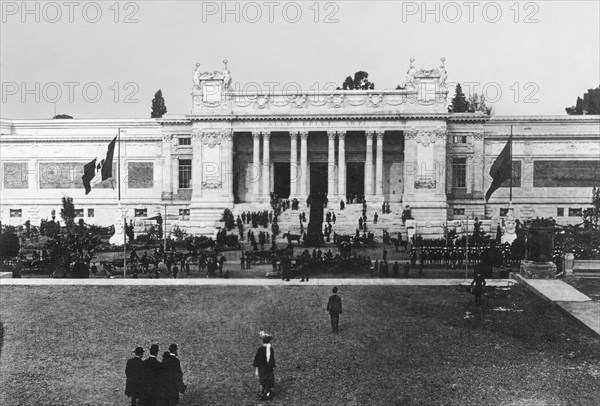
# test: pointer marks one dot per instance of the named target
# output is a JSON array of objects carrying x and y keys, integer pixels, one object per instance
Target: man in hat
[
  {"x": 172, "y": 377},
  {"x": 134, "y": 374},
  {"x": 152, "y": 378},
  {"x": 264, "y": 362},
  {"x": 334, "y": 307},
  {"x": 479, "y": 282}
]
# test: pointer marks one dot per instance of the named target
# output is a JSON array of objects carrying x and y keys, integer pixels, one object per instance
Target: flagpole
[
  {"x": 124, "y": 212},
  {"x": 467, "y": 251},
  {"x": 511, "y": 170}
]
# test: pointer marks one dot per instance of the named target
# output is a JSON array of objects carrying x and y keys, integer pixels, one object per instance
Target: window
[
  {"x": 459, "y": 139},
  {"x": 575, "y": 212},
  {"x": 90, "y": 212},
  {"x": 185, "y": 173},
  {"x": 184, "y": 214},
  {"x": 185, "y": 141},
  {"x": 458, "y": 212},
  {"x": 78, "y": 212},
  {"x": 503, "y": 212},
  {"x": 141, "y": 212},
  {"x": 560, "y": 212},
  {"x": 459, "y": 172},
  {"x": 16, "y": 213}
]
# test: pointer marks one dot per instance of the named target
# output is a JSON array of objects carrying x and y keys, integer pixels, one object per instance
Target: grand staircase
[{"x": 346, "y": 220}]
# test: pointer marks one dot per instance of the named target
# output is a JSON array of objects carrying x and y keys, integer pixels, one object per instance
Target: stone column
[
  {"x": 167, "y": 181},
  {"x": 342, "y": 165},
  {"x": 266, "y": 166},
  {"x": 303, "y": 163},
  {"x": 293, "y": 165},
  {"x": 196, "y": 166},
  {"x": 228, "y": 137},
  {"x": 256, "y": 165},
  {"x": 331, "y": 165},
  {"x": 379, "y": 165},
  {"x": 369, "y": 165}
]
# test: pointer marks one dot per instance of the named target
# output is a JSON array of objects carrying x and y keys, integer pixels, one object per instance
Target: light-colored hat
[{"x": 265, "y": 336}]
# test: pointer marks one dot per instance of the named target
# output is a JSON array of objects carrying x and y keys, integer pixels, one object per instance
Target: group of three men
[{"x": 151, "y": 382}]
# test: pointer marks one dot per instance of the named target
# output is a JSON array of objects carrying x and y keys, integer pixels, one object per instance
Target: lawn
[{"x": 397, "y": 345}]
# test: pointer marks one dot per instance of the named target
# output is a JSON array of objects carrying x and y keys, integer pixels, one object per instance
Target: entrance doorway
[
  {"x": 281, "y": 179},
  {"x": 318, "y": 177},
  {"x": 355, "y": 178}
]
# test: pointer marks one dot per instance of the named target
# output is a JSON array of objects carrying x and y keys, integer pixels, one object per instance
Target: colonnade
[{"x": 299, "y": 171}]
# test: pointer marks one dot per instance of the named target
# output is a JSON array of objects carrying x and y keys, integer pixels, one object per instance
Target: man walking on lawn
[{"x": 334, "y": 307}]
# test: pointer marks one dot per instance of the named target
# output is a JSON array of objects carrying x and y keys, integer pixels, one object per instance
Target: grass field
[{"x": 397, "y": 346}]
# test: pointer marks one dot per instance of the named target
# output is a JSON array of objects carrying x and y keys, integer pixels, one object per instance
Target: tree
[
  {"x": 9, "y": 244},
  {"x": 360, "y": 82},
  {"x": 591, "y": 216},
  {"x": 68, "y": 213},
  {"x": 477, "y": 103},
  {"x": 159, "y": 108},
  {"x": 590, "y": 104},
  {"x": 459, "y": 102},
  {"x": 62, "y": 116}
]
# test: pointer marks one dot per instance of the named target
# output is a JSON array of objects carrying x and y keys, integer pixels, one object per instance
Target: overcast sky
[{"x": 532, "y": 58}]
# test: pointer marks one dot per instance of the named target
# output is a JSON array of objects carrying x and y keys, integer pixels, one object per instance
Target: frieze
[
  {"x": 375, "y": 100},
  {"x": 336, "y": 100}
]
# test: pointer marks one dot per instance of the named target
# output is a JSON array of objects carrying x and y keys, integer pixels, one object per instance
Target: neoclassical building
[{"x": 234, "y": 147}]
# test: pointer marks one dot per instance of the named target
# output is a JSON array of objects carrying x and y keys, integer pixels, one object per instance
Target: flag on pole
[
  {"x": 96, "y": 171},
  {"x": 501, "y": 169}
]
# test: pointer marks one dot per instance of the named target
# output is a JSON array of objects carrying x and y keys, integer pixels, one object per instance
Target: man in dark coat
[
  {"x": 172, "y": 377},
  {"x": 134, "y": 373},
  {"x": 334, "y": 307},
  {"x": 153, "y": 368},
  {"x": 264, "y": 362},
  {"x": 479, "y": 282}
]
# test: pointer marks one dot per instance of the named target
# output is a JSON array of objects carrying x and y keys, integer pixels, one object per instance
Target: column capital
[
  {"x": 331, "y": 134},
  {"x": 266, "y": 135},
  {"x": 342, "y": 135},
  {"x": 293, "y": 136},
  {"x": 196, "y": 134},
  {"x": 369, "y": 134},
  {"x": 256, "y": 134},
  {"x": 411, "y": 133},
  {"x": 303, "y": 135},
  {"x": 379, "y": 134},
  {"x": 227, "y": 135}
]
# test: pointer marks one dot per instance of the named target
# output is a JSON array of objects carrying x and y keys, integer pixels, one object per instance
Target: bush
[{"x": 9, "y": 245}]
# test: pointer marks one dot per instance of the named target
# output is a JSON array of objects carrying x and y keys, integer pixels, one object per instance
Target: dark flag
[
  {"x": 501, "y": 169},
  {"x": 95, "y": 172}
]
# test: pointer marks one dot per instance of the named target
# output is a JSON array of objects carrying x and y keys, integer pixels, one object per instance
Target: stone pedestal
[
  {"x": 538, "y": 270},
  {"x": 118, "y": 237},
  {"x": 568, "y": 262}
]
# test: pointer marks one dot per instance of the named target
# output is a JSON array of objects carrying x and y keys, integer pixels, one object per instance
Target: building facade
[{"x": 399, "y": 146}]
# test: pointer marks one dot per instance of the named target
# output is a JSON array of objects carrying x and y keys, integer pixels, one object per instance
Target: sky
[{"x": 106, "y": 59}]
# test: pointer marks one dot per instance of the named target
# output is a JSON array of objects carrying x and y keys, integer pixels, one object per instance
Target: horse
[{"x": 292, "y": 237}]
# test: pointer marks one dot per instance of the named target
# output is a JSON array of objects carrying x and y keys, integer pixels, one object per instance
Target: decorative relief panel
[
  {"x": 140, "y": 175},
  {"x": 212, "y": 185},
  {"x": 425, "y": 184},
  {"x": 15, "y": 175}
]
